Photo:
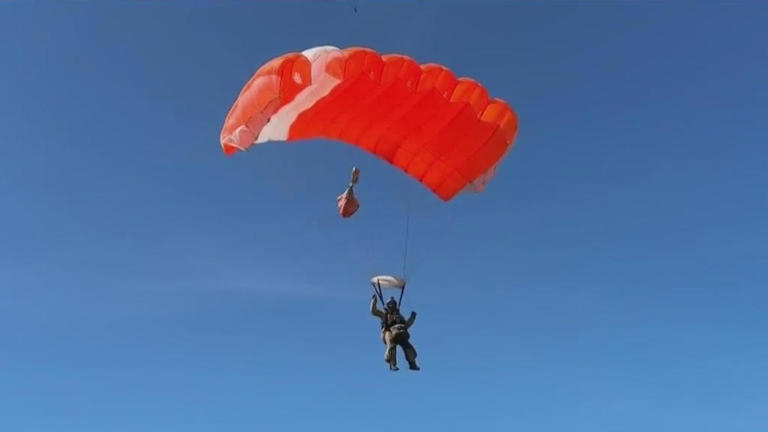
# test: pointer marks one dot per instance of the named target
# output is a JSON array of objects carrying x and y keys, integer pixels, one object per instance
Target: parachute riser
[
  {"x": 384, "y": 281},
  {"x": 380, "y": 294},
  {"x": 377, "y": 290}
]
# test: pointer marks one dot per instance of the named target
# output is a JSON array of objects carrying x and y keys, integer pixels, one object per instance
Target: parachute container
[{"x": 347, "y": 203}]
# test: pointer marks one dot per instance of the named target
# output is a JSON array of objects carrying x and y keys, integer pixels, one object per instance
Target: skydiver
[{"x": 394, "y": 331}]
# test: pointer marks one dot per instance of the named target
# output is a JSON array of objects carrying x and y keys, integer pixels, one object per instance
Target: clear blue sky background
[{"x": 613, "y": 277}]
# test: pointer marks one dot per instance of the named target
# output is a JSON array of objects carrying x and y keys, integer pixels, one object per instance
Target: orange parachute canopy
[{"x": 445, "y": 132}]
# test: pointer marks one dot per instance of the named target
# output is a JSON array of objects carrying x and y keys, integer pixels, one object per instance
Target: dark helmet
[{"x": 391, "y": 304}]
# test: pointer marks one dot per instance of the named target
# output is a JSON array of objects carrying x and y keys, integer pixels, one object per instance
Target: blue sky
[{"x": 611, "y": 278}]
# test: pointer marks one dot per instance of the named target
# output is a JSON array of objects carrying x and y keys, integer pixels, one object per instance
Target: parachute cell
[{"x": 443, "y": 131}]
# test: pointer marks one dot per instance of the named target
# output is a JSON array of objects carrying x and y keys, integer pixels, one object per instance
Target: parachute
[
  {"x": 445, "y": 132},
  {"x": 386, "y": 281}
]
